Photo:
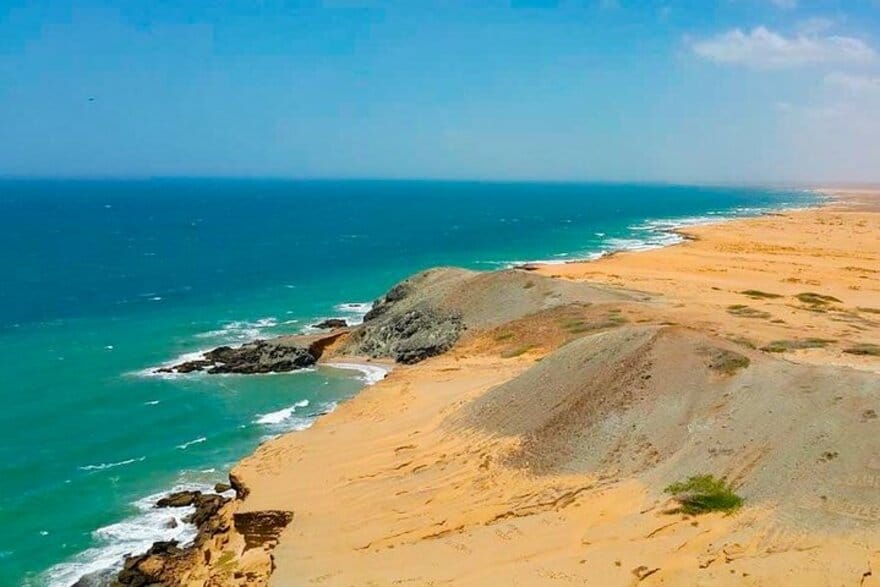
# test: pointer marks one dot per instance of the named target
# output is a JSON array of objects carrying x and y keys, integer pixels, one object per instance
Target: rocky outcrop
[
  {"x": 150, "y": 568},
  {"x": 411, "y": 336},
  {"x": 165, "y": 562},
  {"x": 331, "y": 323},
  {"x": 231, "y": 549},
  {"x": 261, "y": 529},
  {"x": 278, "y": 355}
]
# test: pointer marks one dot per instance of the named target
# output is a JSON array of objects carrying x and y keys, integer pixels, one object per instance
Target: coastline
[
  {"x": 344, "y": 507},
  {"x": 370, "y": 376}
]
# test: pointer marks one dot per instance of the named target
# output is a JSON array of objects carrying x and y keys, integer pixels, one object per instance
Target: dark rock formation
[
  {"x": 179, "y": 499},
  {"x": 207, "y": 506},
  {"x": 286, "y": 353},
  {"x": 406, "y": 324},
  {"x": 97, "y": 579},
  {"x": 331, "y": 323},
  {"x": 383, "y": 304},
  {"x": 222, "y": 487},
  {"x": 148, "y": 568},
  {"x": 162, "y": 563},
  {"x": 411, "y": 336},
  {"x": 261, "y": 528},
  {"x": 241, "y": 490}
]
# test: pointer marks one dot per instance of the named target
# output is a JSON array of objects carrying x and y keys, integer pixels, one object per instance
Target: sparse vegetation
[
  {"x": 865, "y": 349},
  {"x": 815, "y": 299},
  {"x": 502, "y": 336},
  {"x": 515, "y": 352},
  {"x": 728, "y": 362},
  {"x": 743, "y": 311},
  {"x": 704, "y": 493},
  {"x": 757, "y": 294},
  {"x": 743, "y": 341},
  {"x": 582, "y": 325},
  {"x": 781, "y": 346},
  {"x": 869, "y": 310},
  {"x": 529, "y": 285}
]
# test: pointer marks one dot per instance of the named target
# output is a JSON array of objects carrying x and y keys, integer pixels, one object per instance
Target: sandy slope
[
  {"x": 833, "y": 251},
  {"x": 536, "y": 450}
]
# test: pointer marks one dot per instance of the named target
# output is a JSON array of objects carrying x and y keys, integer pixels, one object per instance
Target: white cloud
[
  {"x": 762, "y": 48},
  {"x": 853, "y": 83},
  {"x": 814, "y": 25}
]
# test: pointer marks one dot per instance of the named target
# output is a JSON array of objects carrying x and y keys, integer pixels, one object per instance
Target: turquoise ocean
[{"x": 104, "y": 280}]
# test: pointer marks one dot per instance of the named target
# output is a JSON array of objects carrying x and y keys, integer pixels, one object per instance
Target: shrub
[
  {"x": 744, "y": 311},
  {"x": 728, "y": 362},
  {"x": 757, "y": 294},
  {"x": 704, "y": 493},
  {"x": 864, "y": 349},
  {"x": 509, "y": 354},
  {"x": 816, "y": 299},
  {"x": 781, "y": 346}
]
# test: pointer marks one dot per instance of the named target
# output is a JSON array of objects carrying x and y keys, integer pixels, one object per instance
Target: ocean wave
[
  {"x": 277, "y": 425},
  {"x": 354, "y": 312},
  {"x": 186, "y": 445},
  {"x": 369, "y": 374},
  {"x": 133, "y": 535},
  {"x": 103, "y": 466},
  {"x": 240, "y": 330},
  {"x": 277, "y": 417},
  {"x": 657, "y": 233}
]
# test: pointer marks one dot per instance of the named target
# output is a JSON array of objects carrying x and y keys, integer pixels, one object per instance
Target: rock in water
[
  {"x": 178, "y": 499},
  {"x": 278, "y": 355},
  {"x": 331, "y": 323}
]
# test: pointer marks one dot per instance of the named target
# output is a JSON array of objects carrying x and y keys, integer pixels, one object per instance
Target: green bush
[{"x": 704, "y": 493}]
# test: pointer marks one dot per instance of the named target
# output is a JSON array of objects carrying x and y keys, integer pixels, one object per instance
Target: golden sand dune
[{"x": 536, "y": 450}]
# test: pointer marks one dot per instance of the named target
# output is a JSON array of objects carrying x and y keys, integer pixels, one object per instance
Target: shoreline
[
  {"x": 468, "y": 374},
  {"x": 678, "y": 228},
  {"x": 371, "y": 369}
]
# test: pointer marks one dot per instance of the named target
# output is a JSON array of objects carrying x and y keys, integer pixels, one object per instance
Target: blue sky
[{"x": 665, "y": 90}]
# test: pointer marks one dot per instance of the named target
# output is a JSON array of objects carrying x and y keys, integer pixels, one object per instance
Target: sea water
[{"x": 103, "y": 281}]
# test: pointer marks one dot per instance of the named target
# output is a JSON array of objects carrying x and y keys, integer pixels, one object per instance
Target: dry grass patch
[
  {"x": 815, "y": 299},
  {"x": 743, "y": 311},
  {"x": 782, "y": 346},
  {"x": 727, "y": 362},
  {"x": 515, "y": 352},
  {"x": 759, "y": 295},
  {"x": 866, "y": 349}
]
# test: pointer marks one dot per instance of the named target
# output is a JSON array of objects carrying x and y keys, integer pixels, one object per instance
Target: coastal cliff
[{"x": 537, "y": 416}]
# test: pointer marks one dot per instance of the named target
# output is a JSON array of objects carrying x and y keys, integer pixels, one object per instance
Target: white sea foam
[
  {"x": 280, "y": 416},
  {"x": 354, "y": 312},
  {"x": 186, "y": 445},
  {"x": 369, "y": 374},
  {"x": 133, "y": 535},
  {"x": 240, "y": 330},
  {"x": 293, "y": 422},
  {"x": 102, "y": 466},
  {"x": 184, "y": 358}
]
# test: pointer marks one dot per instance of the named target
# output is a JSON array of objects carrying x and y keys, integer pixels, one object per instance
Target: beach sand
[{"x": 448, "y": 471}]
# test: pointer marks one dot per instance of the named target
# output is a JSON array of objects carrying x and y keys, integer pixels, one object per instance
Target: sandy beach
[{"x": 536, "y": 449}]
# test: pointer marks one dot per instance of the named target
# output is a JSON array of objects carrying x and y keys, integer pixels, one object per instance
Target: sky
[{"x": 710, "y": 91}]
